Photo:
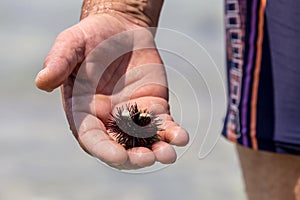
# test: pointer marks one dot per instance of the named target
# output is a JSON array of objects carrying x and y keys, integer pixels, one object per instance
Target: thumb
[{"x": 68, "y": 50}]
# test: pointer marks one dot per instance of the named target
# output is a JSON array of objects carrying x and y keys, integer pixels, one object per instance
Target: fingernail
[
  {"x": 39, "y": 81},
  {"x": 41, "y": 72}
]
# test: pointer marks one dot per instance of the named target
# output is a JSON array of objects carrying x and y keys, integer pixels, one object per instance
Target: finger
[
  {"x": 138, "y": 157},
  {"x": 172, "y": 132},
  {"x": 93, "y": 138},
  {"x": 164, "y": 152},
  {"x": 141, "y": 157},
  {"x": 66, "y": 53}
]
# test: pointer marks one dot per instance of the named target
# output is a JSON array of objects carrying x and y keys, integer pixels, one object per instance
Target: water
[{"x": 40, "y": 159}]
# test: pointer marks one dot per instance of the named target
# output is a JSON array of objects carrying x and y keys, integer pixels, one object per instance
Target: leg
[{"x": 269, "y": 175}]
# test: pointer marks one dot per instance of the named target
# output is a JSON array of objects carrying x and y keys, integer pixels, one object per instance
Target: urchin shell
[{"x": 132, "y": 127}]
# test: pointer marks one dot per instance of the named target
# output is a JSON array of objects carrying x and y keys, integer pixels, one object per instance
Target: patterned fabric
[{"x": 255, "y": 32}]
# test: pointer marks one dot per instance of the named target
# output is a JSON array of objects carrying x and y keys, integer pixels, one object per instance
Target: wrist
[{"x": 140, "y": 12}]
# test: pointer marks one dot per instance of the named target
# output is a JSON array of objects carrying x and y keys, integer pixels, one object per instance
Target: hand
[{"x": 104, "y": 62}]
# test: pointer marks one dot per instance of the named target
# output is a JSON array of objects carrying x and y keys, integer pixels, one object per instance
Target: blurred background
[{"x": 40, "y": 159}]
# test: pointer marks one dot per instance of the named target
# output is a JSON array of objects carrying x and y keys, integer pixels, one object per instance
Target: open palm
[{"x": 102, "y": 63}]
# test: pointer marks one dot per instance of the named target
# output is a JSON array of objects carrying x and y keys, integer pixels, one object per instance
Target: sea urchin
[{"x": 132, "y": 127}]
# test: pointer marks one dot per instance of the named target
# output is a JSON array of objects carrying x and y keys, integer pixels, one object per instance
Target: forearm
[{"x": 140, "y": 12}]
